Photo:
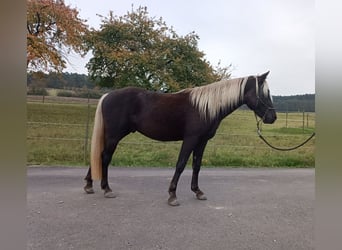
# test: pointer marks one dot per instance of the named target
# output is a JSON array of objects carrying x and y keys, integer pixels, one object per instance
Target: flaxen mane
[
  {"x": 212, "y": 98},
  {"x": 266, "y": 91}
]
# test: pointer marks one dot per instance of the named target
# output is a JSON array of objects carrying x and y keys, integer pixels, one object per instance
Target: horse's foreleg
[
  {"x": 183, "y": 157},
  {"x": 172, "y": 201},
  {"x": 196, "y": 166},
  {"x": 89, "y": 186}
]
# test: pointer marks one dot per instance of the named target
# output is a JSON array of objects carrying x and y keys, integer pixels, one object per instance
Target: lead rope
[{"x": 277, "y": 148}]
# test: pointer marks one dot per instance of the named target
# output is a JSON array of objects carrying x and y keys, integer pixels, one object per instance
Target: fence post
[
  {"x": 286, "y": 119},
  {"x": 85, "y": 158},
  {"x": 303, "y": 120}
]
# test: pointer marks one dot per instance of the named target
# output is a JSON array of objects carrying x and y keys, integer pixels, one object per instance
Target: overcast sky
[{"x": 253, "y": 35}]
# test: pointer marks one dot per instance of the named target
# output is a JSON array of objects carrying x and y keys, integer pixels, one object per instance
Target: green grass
[{"x": 56, "y": 135}]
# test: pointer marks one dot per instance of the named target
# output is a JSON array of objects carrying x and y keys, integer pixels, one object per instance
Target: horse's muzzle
[{"x": 270, "y": 117}]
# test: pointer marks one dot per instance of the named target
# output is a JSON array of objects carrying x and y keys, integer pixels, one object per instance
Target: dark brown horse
[{"x": 192, "y": 115}]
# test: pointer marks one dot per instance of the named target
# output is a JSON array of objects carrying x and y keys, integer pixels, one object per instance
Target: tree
[
  {"x": 53, "y": 30},
  {"x": 223, "y": 72},
  {"x": 135, "y": 49}
]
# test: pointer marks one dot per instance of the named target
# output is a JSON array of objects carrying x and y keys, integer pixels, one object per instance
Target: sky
[{"x": 253, "y": 36}]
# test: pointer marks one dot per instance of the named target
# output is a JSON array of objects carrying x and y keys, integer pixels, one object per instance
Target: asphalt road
[{"x": 246, "y": 209}]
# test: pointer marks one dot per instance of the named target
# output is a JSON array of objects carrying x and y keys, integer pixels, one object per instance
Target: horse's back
[
  {"x": 160, "y": 116},
  {"x": 121, "y": 98},
  {"x": 132, "y": 99}
]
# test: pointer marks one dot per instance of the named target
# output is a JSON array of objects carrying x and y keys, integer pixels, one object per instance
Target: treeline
[
  {"x": 80, "y": 85},
  {"x": 295, "y": 103},
  {"x": 66, "y": 84},
  {"x": 58, "y": 80}
]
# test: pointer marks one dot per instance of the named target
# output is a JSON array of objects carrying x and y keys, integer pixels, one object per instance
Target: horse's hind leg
[
  {"x": 196, "y": 166},
  {"x": 111, "y": 141},
  {"x": 106, "y": 159},
  {"x": 89, "y": 186}
]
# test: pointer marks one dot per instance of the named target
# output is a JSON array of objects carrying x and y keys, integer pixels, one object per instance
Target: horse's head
[{"x": 258, "y": 98}]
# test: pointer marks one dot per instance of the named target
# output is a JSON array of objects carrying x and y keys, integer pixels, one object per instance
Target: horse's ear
[{"x": 262, "y": 77}]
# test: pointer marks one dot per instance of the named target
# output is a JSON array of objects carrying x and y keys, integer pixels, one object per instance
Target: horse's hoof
[
  {"x": 89, "y": 190},
  {"x": 201, "y": 197},
  {"x": 173, "y": 202},
  {"x": 109, "y": 194}
]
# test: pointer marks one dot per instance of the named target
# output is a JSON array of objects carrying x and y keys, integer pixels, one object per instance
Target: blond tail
[{"x": 97, "y": 143}]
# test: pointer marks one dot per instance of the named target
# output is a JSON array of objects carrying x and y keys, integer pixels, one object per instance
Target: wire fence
[
  {"x": 60, "y": 100},
  {"x": 63, "y": 132}
]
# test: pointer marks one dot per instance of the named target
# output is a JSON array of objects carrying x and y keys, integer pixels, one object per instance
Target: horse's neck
[{"x": 225, "y": 112}]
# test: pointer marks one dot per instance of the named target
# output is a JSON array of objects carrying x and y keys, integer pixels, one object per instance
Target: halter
[
  {"x": 261, "y": 119},
  {"x": 261, "y": 101}
]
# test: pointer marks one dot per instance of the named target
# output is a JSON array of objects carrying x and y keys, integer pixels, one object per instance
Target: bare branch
[
  {"x": 29, "y": 29},
  {"x": 38, "y": 24}
]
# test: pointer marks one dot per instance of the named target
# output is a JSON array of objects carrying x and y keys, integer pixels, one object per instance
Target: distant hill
[{"x": 295, "y": 103}]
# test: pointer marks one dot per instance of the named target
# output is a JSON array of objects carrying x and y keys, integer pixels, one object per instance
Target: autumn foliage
[
  {"x": 53, "y": 30},
  {"x": 130, "y": 50},
  {"x": 138, "y": 50}
]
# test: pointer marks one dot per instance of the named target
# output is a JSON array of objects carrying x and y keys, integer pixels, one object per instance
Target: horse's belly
[
  {"x": 161, "y": 130},
  {"x": 162, "y": 135},
  {"x": 162, "y": 119}
]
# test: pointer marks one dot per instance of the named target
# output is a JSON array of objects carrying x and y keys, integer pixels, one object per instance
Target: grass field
[{"x": 56, "y": 135}]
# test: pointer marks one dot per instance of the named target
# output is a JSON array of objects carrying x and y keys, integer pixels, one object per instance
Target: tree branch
[
  {"x": 49, "y": 25},
  {"x": 38, "y": 24},
  {"x": 29, "y": 29}
]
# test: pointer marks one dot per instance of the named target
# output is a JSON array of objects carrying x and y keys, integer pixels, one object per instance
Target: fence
[
  {"x": 60, "y": 100},
  {"x": 59, "y": 132}
]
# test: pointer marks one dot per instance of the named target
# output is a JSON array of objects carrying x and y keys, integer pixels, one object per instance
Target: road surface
[{"x": 246, "y": 209}]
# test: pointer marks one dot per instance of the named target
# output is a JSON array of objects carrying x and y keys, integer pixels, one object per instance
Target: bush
[
  {"x": 65, "y": 93},
  {"x": 88, "y": 94},
  {"x": 35, "y": 90},
  {"x": 94, "y": 94}
]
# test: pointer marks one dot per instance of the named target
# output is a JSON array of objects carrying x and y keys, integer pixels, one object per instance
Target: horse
[{"x": 191, "y": 115}]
